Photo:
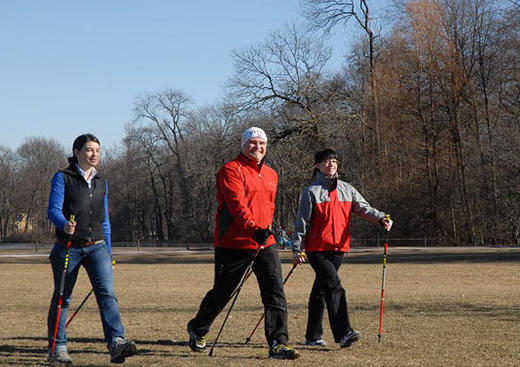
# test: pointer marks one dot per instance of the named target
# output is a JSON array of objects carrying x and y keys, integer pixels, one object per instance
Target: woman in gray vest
[{"x": 79, "y": 210}]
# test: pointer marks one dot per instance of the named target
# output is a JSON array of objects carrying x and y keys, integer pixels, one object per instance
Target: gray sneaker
[
  {"x": 59, "y": 357},
  {"x": 120, "y": 349},
  {"x": 349, "y": 338}
]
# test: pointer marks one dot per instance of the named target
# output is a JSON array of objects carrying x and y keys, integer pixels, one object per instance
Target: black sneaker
[
  {"x": 351, "y": 337},
  {"x": 197, "y": 343},
  {"x": 120, "y": 349},
  {"x": 282, "y": 351},
  {"x": 60, "y": 357}
]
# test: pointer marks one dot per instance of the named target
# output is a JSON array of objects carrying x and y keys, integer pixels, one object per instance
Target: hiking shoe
[
  {"x": 120, "y": 349},
  {"x": 282, "y": 351},
  {"x": 59, "y": 357},
  {"x": 197, "y": 343},
  {"x": 349, "y": 338},
  {"x": 315, "y": 343}
]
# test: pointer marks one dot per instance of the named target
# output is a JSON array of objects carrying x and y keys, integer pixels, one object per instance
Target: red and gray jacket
[
  {"x": 246, "y": 194},
  {"x": 324, "y": 213}
]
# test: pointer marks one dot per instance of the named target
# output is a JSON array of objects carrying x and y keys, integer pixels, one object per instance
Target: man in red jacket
[{"x": 246, "y": 191}]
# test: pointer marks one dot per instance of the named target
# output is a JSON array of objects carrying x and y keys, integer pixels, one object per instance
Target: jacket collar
[
  {"x": 73, "y": 171},
  {"x": 329, "y": 182},
  {"x": 249, "y": 162}
]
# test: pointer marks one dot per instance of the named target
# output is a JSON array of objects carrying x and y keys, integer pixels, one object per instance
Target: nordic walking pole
[
  {"x": 387, "y": 217},
  {"x": 236, "y": 292},
  {"x": 248, "y": 339},
  {"x": 79, "y": 307},
  {"x": 62, "y": 286}
]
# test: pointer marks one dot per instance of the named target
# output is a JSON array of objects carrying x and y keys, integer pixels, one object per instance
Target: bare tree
[
  {"x": 146, "y": 142},
  {"x": 283, "y": 71},
  {"x": 7, "y": 190},
  {"x": 167, "y": 112},
  {"x": 213, "y": 134},
  {"x": 38, "y": 160},
  {"x": 325, "y": 15}
]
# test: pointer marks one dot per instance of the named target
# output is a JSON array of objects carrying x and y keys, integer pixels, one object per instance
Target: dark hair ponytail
[
  {"x": 78, "y": 144},
  {"x": 315, "y": 172}
]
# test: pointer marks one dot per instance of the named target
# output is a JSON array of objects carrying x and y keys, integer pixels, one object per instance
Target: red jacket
[
  {"x": 324, "y": 213},
  {"x": 245, "y": 193}
]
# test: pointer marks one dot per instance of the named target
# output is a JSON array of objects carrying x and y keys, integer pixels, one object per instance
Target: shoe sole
[
  {"x": 315, "y": 345},
  {"x": 198, "y": 349},
  {"x": 292, "y": 357},
  {"x": 128, "y": 351},
  {"x": 54, "y": 362}
]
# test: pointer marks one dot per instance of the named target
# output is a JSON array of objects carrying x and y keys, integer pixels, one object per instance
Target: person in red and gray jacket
[
  {"x": 321, "y": 229},
  {"x": 246, "y": 190}
]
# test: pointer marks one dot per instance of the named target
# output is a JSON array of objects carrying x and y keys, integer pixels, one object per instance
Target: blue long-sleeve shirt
[{"x": 55, "y": 213}]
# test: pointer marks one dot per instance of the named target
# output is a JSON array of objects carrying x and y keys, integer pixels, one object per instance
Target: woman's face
[
  {"x": 328, "y": 167},
  {"x": 89, "y": 155}
]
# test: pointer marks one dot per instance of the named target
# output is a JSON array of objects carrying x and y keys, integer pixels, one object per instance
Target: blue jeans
[{"x": 98, "y": 264}]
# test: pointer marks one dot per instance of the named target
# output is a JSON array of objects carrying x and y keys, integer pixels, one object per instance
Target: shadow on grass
[
  {"x": 9, "y": 349},
  {"x": 139, "y": 342},
  {"x": 98, "y": 340},
  {"x": 16, "y": 355},
  {"x": 482, "y": 311},
  {"x": 452, "y": 307}
]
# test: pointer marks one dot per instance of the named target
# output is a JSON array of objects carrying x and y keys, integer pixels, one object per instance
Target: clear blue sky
[{"x": 68, "y": 67}]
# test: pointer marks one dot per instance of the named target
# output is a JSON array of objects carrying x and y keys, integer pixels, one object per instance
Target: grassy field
[{"x": 442, "y": 308}]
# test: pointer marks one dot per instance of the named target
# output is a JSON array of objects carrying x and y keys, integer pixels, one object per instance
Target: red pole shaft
[
  {"x": 62, "y": 286},
  {"x": 256, "y": 327}
]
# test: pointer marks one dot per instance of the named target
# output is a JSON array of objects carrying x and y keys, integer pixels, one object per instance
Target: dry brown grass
[{"x": 449, "y": 313}]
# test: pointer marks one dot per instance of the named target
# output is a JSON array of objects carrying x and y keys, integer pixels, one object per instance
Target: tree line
[{"x": 425, "y": 119}]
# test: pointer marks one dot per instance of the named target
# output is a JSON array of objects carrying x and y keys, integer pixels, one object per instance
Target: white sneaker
[
  {"x": 59, "y": 357},
  {"x": 314, "y": 343}
]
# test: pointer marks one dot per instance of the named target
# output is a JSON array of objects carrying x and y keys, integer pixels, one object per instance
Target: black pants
[
  {"x": 327, "y": 290},
  {"x": 230, "y": 265}
]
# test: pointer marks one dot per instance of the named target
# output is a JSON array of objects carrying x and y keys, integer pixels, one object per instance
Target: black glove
[{"x": 261, "y": 235}]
